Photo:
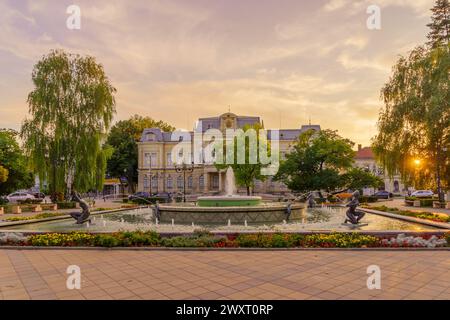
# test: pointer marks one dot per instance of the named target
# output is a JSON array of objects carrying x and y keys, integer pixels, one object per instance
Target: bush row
[
  {"x": 421, "y": 215},
  {"x": 151, "y": 238}
]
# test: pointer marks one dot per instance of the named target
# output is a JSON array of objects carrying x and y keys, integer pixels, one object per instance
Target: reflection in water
[{"x": 142, "y": 219}]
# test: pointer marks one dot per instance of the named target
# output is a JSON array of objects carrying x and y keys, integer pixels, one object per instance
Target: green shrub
[
  {"x": 38, "y": 216},
  {"x": 66, "y": 205},
  {"x": 368, "y": 199},
  {"x": 106, "y": 240},
  {"x": 269, "y": 240},
  {"x": 422, "y": 215},
  {"x": 29, "y": 201}
]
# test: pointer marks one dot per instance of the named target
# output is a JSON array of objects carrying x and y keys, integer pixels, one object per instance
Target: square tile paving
[{"x": 195, "y": 275}]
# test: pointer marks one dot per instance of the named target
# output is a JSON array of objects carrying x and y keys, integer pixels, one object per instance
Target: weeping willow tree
[
  {"x": 414, "y": 126},
  {"x": 71, "y": 109}
]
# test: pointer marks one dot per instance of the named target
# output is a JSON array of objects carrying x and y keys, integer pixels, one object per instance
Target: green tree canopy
[
  {"x": 317, "y": 162},
  {"x": 246, "y": 171},
  {"x": 71, "y": 108},
  {"x": 357, "y": 179},
  {"x": 123, "y": 137},
  {"x": 415, "y": 122},
  {"x": 15, "y": 174},
  {"x": 439, "y": 35}
]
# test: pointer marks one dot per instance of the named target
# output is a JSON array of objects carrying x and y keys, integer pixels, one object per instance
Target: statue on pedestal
[
  {"x": 354, "y": 216},
  {"x": 82, "y": 216},
  {"x": 311, "y": 202}
]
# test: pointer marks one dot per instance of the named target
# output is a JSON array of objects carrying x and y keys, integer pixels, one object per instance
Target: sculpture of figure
[
  {"x": 288, "y": 210},
  {"x": 156, "y": 211},
  {"x": 82, "y": 216},
  {"x": 354, "y": 216},
  {"x": 311, "y": 202}
]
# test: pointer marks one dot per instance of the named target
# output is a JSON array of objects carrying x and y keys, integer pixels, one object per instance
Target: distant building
[
  {"x": 365, "y": 159},
  {"x": 157, "y": 172}
]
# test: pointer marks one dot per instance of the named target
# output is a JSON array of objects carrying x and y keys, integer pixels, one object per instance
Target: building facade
[
  {"x": 365, "y": 159},
  {"x": 157, "y": 172}
]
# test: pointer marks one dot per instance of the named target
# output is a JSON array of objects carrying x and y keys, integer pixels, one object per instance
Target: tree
[
  {"x": 14, "y": 173},
  {"x": 415, "y": 122},
  {"x": 357, "y": 179},
  {"x": 123, "y": 138},
  {"x": 246, "y": 171},
  {"x": 71, "y": 109},
  {"x": 3, "y": 174},
  {"x": 439, "y": 35},
  {"x": 317, "y": 162}
]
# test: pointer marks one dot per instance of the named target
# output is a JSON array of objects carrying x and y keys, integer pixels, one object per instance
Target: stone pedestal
[
  {"x": 37, "y": 208},
  {"x": 16, "y": 209},
  {"x": 447, "y": 206},
  {"x": 2, "y": 210}
]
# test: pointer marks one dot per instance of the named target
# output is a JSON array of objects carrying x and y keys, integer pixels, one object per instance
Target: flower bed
[
  {"x": 421, "y": 215},
  {"x": 206, "y": 240},
  {"x": 38, "y": 216}
]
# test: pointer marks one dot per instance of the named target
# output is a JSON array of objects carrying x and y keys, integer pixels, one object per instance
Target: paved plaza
[{"x": 132, "y": 274}]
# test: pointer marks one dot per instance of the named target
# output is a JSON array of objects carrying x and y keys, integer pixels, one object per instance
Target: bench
[
  {"x": 36, "y": 208},
  {"x": 16, "y": 209},
  {"x": 50, "y": 207}
]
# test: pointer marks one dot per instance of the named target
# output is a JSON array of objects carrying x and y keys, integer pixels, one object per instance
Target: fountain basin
[
  {"x": 229, "y": 201},
  {"x": 212, "y": 215}
]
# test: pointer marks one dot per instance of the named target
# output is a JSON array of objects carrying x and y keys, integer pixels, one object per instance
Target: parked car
[
  {"x": 39, "y": 195},
  {"x": 382, "y": 194},
  {"x": 139, "y": 195},
  {"x": 20, "y": 196},
  {"x": 422, "y": 194}
]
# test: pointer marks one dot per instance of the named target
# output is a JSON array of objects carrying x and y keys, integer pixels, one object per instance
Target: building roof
[
  {"x": 155, "y": 134},
  {"x": 364, "y": 153}
]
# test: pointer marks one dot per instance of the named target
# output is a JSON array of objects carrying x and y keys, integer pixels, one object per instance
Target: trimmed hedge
[
  {"x": 422, "y": 215},
  {"x": 66, "y": 205},
  {"x": 152, "y": 239}
]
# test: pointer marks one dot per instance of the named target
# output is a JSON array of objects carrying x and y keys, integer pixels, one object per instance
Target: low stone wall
[{"x": 214, "y": 215}]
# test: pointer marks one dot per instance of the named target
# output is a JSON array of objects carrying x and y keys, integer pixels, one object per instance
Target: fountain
[
  {"x": 213, "y": 210},
  {"x": 231, "y": 199}
]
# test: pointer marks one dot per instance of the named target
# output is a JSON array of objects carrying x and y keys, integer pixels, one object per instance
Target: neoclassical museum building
[{"x": 157, "y": 173}]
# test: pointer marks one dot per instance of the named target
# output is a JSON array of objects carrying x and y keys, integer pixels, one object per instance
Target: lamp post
[{"x": 184, "y": 168}]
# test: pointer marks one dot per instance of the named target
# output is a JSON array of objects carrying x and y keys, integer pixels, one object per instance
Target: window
[
  {"x": 180, "y": 182},
  {"x": 154, "y": 159},
  {"x": 215, "y": 182},
  {"x": 146, "y": 185},
  {"x": 169, "y": 159},
  {"x": 147, "y": 160},
  {"x": 201, "y": 181},
  {"x": 169, "y": 182},
  {"x": 150, "y": 136},
  {"x": 154, "y": 182},
  {"x": 190, "y": 182}
]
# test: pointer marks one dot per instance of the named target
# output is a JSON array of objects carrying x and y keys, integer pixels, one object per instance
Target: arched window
[
  {"x": 154, "y": 182},
  {"x": 169, "y": 182},
  {"x": 180, "y": 182},
  {"x": 146, "y": 184},
  {"x": 150, "y": 136},
  {"x": 190, "y": 182},
  {"x": 201, "y": 181}
]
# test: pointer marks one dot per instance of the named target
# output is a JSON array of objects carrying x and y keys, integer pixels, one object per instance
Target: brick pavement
[{"x": 126, "y": 274}]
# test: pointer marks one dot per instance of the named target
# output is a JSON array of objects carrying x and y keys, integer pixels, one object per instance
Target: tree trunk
[{"x": 248, "y": 190}]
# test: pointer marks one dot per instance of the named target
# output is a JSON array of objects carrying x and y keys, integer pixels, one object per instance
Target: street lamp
[{"x": 184, "y": 168}]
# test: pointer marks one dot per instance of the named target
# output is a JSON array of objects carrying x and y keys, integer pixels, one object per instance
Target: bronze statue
[
  {"x": 82, "y": 216},
  {"x": 311, "y": 202},
  {"x": 354, "y": 216}
]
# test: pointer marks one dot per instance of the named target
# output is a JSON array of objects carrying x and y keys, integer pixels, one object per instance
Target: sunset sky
[{"x": 284, "y": 60}]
